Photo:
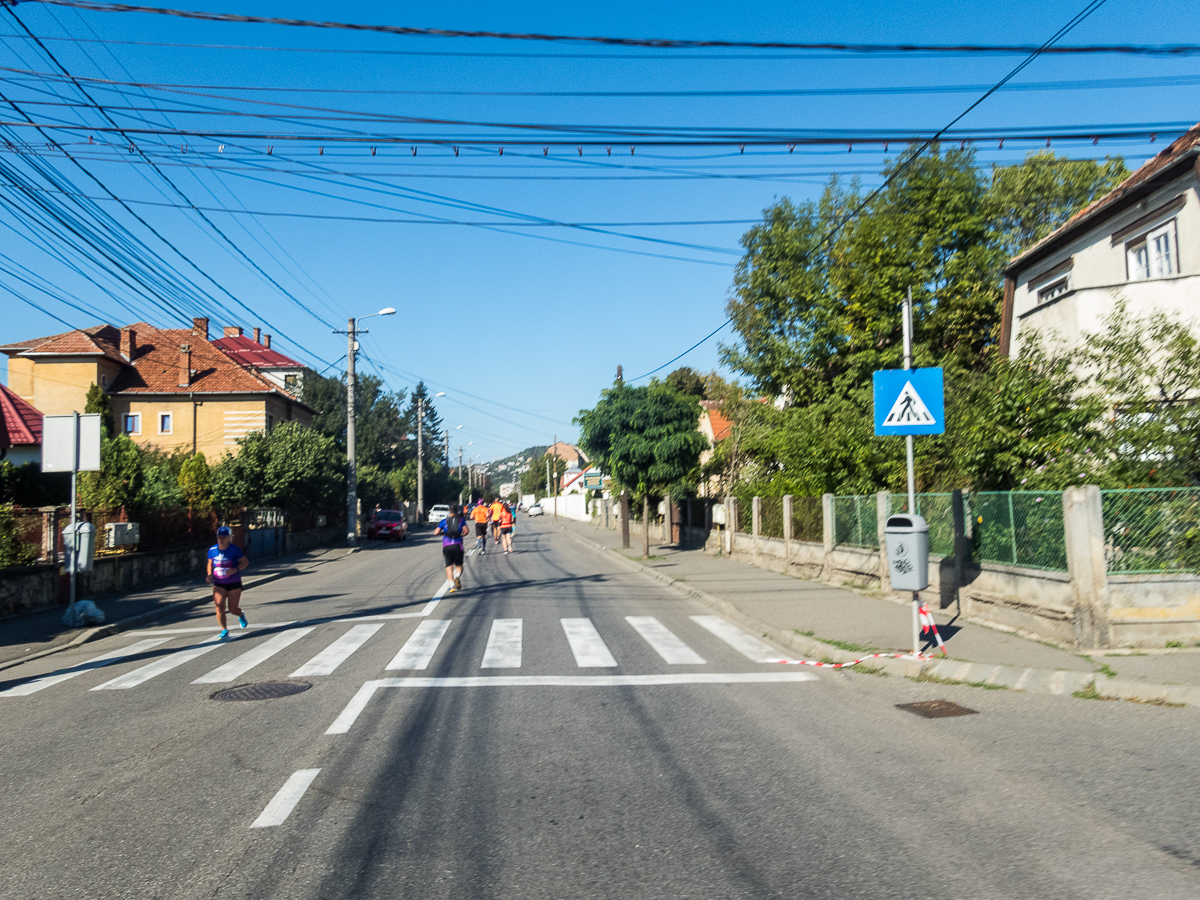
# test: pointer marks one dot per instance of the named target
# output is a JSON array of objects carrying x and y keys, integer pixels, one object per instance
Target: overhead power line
[{"x": 656, "y": 43}]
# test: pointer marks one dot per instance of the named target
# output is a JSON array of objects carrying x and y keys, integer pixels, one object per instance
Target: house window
[
  {"x": 270, "y": 422},
  {"x": 165, "y": 423},
  {"x": 1052, "y": 290},
  {"x": 1154, "y": 254},
  {"x": 104, "y": 381},
  {"x": 290, "y": 382},
  {"x": 133, "y": 423}
]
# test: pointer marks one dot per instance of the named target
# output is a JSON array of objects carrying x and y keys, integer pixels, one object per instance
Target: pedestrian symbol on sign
[{"x": 909, "y": 409}]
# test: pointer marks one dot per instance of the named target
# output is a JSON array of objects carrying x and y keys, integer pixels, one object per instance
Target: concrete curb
[
  {"x": 129, "y": 622},
  {"x": 1030, "y": 681}
]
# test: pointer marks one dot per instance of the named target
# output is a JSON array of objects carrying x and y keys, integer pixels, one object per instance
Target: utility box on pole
[{"x": 907, "y": 540}]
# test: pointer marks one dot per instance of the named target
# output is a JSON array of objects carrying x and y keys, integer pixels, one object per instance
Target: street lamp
[{"x": 352, "y": 333}]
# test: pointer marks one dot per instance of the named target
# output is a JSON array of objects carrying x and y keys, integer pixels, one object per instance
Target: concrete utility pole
[
  {"x": 460, "y": 499},
  {"x": 912, "y": 486},
  {"x": 646, "y": 526},
  {"x": 556, "y": 478},
  {"x": 420, "y": 452},
  {"x": 352, "y": 332},
  {"x": 620, "y": 376},
  {"x": 625, "y": 520}
]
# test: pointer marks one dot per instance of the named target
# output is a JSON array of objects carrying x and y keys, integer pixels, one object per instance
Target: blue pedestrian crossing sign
[{"x": 909, "y": 401}]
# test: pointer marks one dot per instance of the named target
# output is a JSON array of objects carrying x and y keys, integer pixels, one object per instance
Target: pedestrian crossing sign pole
[{"x": 908, "y": 402}]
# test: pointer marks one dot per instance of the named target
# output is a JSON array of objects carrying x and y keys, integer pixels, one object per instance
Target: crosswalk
[{"x": 505, "y": 649}]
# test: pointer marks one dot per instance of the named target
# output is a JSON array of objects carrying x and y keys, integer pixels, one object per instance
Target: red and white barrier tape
[{"x": 927, "y": 625}]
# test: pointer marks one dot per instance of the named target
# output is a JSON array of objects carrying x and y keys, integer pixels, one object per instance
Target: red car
[{"x": 387, "y": 525}]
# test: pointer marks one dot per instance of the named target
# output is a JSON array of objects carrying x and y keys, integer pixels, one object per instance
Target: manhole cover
[
  {"x": 268, "y": 690},
  {"x": 937, "y": 709}
]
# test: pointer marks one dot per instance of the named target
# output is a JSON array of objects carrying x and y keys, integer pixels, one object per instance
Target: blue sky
[{"x": 515, "y": 315}]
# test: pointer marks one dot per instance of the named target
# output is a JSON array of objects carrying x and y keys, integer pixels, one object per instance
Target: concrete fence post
[
  {"x": 1083, "y": 531},
  {"x": 731, "y": 522},
  {"x": 881, "y": 516},
  {"x": 668, "y": 517},
  {"x": 787, "y": 526},
  {"x": 958, "y": 512},
  {"x": 827, "y": 536},
  {"x": 756, "y": 520}
]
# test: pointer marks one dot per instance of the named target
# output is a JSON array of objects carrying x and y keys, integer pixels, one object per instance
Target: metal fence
[
  {"x": 856, "y": 521},
  {"x": 808, "y": 519},
  {"x": 938, "y": 511},
  {"x": 1151, "y": 530},
  {"x": 1018, "y": 528},
  {"x": 771, "y": 517},
  {"x": 745, "y": 516}
]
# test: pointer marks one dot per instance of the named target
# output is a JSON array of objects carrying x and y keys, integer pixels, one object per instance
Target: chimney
[
  {"x": 129, "y": 343},
  {"x": 233, "y": 331},
  {"x": 266, "y": 341},
  {"x": 200, "y": 326},
  {"x": 257, "y": 334},
  {"x": 185, "y": 364}
]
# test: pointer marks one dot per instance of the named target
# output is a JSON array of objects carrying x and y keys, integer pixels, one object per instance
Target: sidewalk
[
  {"x": 822, "y": 622},
  {"x": 38, "y": 633}
]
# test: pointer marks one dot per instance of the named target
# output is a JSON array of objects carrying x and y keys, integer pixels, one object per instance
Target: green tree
[
  {"x": 1030, "y": 200},
  {"x": 13, "y": 550},
  {"x": 120, "y": 477},
  {"x": 688, "y": 381},
  {"x": 295, "y": 468},
  {"x": 433, "y": 435},
  {"x": 646, "y": 438},
  {"x": 195, "y": 483},
  {"x": 28, "y": 485},
  {"x": 97, "y": 401},
  {"x": 533, "y": 481},
  {"x": 380, "y": 424}
]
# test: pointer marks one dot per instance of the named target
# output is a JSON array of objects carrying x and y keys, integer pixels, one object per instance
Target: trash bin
[
  {"x": 87, "y": 547},
  {"x": 907, "y": 539}
]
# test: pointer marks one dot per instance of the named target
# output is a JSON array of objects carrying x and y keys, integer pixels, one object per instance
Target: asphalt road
[{"x": 553, "y": 771}]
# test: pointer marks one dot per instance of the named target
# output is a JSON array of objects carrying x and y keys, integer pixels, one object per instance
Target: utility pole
[
  {"x": 420, "y": 452},
  {"x": 447, "y": 448},
  {"x": 351, "y": 467},
  {"x": 547, "y": 476},
  {"x": 556, "y": 478},
  {"x": 620, "y": 376},
  {"x": 460, "y": 499},
  {"x": 912, "y": 488}
]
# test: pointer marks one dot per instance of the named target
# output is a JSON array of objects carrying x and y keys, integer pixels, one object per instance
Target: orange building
[{"x": 169, "y": 387}]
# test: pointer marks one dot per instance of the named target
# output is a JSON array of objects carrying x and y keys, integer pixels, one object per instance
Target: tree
[
  {"x": 686, "y": 380},
  {"x": 379, "y": 424},
  {"x": 647, "y": 439},
  {"x": 160, "y": 479},
  {"x": 120, "y": 477},
  {"x": 97, "y": 401},
  {"x": 13, "y": 550},
  {"x": 292, "y": 467},
  {"x": 432, "y": 435},
  {"x": 1030, "y": 200},
  {"x": 195, "y": 483},
  {"x": 533, "y": 480}
]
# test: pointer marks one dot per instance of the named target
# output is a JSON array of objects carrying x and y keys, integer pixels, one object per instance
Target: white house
[{"x": 1139, "y": 243}]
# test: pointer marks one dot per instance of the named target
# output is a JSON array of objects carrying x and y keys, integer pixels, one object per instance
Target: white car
[
  {"x": 535, "y": 510},
  {"x": 438, "y": 512}
]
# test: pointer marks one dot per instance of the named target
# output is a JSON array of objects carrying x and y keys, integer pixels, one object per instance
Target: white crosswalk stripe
[
  {"x": 166, "y": 664},
  {"x": 587, "y": 645},
  {"x": 338, "y": 652},
  {"x": 741, "y": 641},
  {"x": 38, "y": 684},
  {"x": 504, "y": 645},
  {"x": 673, "y": 651},
  {"x": 242, "y": 664},
  {"x": 418, "y": 650}
]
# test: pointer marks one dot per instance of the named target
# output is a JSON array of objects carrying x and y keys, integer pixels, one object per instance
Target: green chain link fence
[
  {"x": 1151, "y": 530},
  {"x": 1018, "y": 528},
  {"x": 808, "y": 520},
  {"x": 771, "y": 517},
  {"x": 938, "y": 511},
  {"x": 856, "y": 521}
]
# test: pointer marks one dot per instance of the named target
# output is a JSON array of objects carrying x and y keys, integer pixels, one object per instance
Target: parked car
[
  {"x": 437, "y": 512},
  {"x": 387, "y": 525},
  {"x": 535, "y": 510}
]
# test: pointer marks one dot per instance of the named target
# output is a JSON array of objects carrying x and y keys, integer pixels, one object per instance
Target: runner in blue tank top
[{"x": 225, "y": 564}]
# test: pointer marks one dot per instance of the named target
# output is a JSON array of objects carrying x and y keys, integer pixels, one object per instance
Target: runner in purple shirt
[{"x": 225, "y": 564}]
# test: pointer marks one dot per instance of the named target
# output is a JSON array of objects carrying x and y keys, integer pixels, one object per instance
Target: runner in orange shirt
[
  {"x": 481, "y": 515},
  {"x": 506, "y": 527},
  {"x": 495, "y": 510}
]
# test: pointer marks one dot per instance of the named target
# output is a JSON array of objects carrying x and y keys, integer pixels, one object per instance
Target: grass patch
[
  {"x": 681, "y": 578},
  {"x": 1090, "y": 693},
  {"x": 805, "y": 633},
  {"x": 1107, "y": 671},
  {"x": 868, "y": 670},
  {"x": 841, "y": 645},
  {"x": 1174, "y": 645},
  {"x": 937, "y": 679}
]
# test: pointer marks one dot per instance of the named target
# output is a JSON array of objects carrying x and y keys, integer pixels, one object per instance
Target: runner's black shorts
[
  {"x": 228, "y": 586},
  {"x": 506, "y": 530},
  {"x": 481, "y": 529},
  {"x": 453, "y": 554}
]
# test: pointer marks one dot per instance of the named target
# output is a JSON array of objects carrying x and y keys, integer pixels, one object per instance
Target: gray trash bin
[
  {"x": 87, "y": 547},
  {"x": 907, "y": 540}
]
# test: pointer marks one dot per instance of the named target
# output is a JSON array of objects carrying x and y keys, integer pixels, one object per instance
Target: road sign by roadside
[
  {"x": 593, "y": 481},
  {"x": 909, "y": 401}
]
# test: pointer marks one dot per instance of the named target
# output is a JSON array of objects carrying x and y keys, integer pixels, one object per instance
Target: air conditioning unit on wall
[{"x": 121, "y": 534}]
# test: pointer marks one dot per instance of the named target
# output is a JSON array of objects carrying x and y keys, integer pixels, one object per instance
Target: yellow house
[{"x": 168, "y": 387}]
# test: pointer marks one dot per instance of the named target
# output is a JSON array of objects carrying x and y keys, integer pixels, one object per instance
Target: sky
[{"x": 520, "y": 320}]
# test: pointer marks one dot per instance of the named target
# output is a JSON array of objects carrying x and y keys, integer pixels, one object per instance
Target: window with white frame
[
  {"x": 1054, "y": 289},
  {"x": 1153, "y": 255},
  {"x": 133, "y": 423},
  {"x": 165, "y": 423}
]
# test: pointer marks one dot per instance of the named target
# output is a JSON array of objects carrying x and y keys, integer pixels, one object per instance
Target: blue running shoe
[
  {"x": 242, "y": 619},
  {"x": 224, "y": 635}
]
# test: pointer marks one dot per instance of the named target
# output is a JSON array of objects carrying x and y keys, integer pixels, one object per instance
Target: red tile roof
[
  {"x": 22, "y": 422},
  {"x": 1186, "y": 146},
  {"x": 249, "y": 352},
  {"x": 156, "y": 369},
  {"x": 99, "y": 340}
]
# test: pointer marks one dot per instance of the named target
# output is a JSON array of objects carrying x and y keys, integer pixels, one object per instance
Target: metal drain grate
[
  {"x": 937, "y": 709},
  {"x": 268, "y": 690}
]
